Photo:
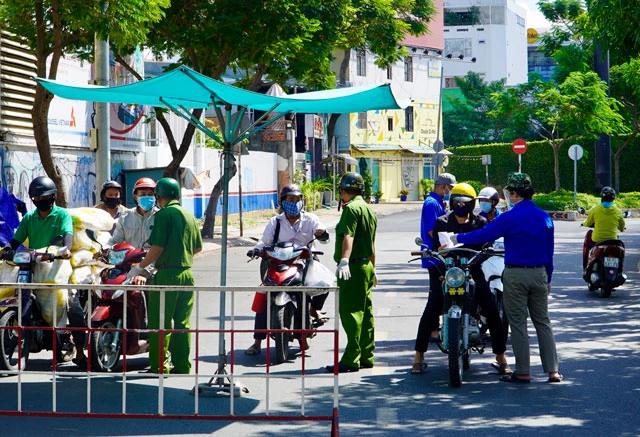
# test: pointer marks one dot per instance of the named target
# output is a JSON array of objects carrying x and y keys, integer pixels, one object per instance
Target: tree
[
  {"x": 615, "y": 23},
  {"x": 53, "y": 29},
  {"x": 577, "y": 108}
]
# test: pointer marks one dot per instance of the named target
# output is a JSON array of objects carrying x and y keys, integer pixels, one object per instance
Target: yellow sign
[{"x": 532, "y": 35}]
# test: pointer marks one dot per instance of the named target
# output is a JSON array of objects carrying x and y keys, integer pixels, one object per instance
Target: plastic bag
[
  {"x": 91, "y": 218},
  {"x": 319, "y": 275}
]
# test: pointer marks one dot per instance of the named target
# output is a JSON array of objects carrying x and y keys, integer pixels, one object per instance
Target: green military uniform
[
  {"x": 41, "y": 231},
  {"x": 356, "y": 311},
  {"x": 176, "y": 231}
]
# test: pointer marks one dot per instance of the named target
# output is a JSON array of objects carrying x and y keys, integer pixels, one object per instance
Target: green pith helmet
[
  {"x": 352, "y": 181},
  {"x": 168, "y": 188},
  {"x": 518, "y": 180}
]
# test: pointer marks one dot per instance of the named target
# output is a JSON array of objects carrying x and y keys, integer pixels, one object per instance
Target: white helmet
[{"x": 489, "y": 193}]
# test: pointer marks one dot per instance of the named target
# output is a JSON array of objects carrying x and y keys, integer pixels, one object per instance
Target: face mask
[
  {"x": 446, "y": 196},
  {"x": 146, "y": 202},
  {"x": 44, "y": 205},
  {"x": 292, "y": 208},
  {"x": 112, "y": 202},
  {"x": 460, "y": 211},
  {"x": 607, "y": 204},
  {"x": 486, "y": 207}
]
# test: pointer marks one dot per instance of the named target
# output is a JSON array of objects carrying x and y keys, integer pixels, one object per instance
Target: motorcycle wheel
[
  {"x": 283, "y": 319},
  {"x": 606, "y": 290},
  {"x": 455, "y": 356},
  {"x": 9, "y": 343},
  {"x": 104, "y": 354}
]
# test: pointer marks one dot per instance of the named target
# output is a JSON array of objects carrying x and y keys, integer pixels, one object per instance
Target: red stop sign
[{"x": 519, "y": 146}]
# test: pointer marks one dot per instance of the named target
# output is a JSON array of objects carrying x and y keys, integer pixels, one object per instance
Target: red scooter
[{"x": 108, "y": 343}]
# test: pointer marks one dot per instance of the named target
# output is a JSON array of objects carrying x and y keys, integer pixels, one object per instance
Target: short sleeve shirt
[
  {"x": 360, "y": 222},
  {"x": 40, "y": 231},
  {"x": 176, "y": 231}
]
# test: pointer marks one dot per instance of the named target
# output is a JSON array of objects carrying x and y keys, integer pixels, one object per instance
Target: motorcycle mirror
[
  {"x": 418, "y": 241},
  {"x": 581, "y": 210},
  {"x": 626, "y": 214}
]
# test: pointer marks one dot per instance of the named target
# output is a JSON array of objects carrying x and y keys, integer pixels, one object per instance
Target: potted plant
[
  {"x": 427, "y": 187},
  {"x": 378, "y": 195},
  {"x": 403, "y": 194}
]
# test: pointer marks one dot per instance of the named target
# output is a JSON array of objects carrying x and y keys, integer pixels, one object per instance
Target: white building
[{"x": 488, "y": 37}]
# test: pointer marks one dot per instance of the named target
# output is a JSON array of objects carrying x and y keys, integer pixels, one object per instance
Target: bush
[
  {"x": 563, "y": 201},
  {"x": 476, "y": 185},
  {"x": 427, "y": 186}
]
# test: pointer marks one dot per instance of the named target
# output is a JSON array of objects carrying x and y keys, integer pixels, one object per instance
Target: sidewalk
[{"x": 329, "y": 217}]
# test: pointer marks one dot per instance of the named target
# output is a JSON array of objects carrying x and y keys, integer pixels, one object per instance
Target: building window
[
  {"x": 408, "y": 69},
  {"x": 390, "y": 124},
  {"x": 457, "y": 47},
  {"x": 408, "y": 119},
  {"x": 361, "y": 62},
  {"x": 362, "y": 120},
  {"x": 389, "y": 72}
]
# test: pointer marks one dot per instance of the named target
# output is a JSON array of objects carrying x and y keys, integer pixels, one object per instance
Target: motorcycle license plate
[{"x": 611, "y": 262}]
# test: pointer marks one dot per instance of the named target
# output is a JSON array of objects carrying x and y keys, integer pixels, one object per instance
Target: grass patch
[{"x": 563, "y": 200}]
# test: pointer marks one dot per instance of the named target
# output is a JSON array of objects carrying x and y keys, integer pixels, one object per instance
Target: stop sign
[{"x": 519, "y": 146}]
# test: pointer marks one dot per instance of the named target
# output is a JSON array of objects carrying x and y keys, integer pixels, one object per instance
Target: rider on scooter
[
  {"x": 40, "y": 226},
  {"x": 606, "y": 220},
  {"x": 135, "y": 225},
  {"x": 488, "y": 199},
  {"x": 294, "y": 225}
]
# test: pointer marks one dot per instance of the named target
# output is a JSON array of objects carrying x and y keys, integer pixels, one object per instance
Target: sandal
[
  {"x": 503, "y": 369},
  {"x": 254, "y": 349},
  {"x": 418, "y": 368},
  {"x": 513, "y": 378},
  {"x": 558, "y": 378}
]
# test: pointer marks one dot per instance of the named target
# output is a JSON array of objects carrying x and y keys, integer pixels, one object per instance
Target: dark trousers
[
  {"x": 431, "y": 316},
  {"x": 77, "y": 319}
]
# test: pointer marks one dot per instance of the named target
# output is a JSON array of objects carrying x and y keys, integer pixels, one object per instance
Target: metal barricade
[{"x": 136, "y": 389}]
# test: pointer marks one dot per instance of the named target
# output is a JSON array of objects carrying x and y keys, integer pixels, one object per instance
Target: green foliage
[
  {"x": 404, "y": 192},
  {"x": 470, "y": 17},
  {"x": 378, "y": 194},
  {"x": 368, "y": 184},
  {"x": 563, "y": 201},
  {"x": 476, "y": 185},
  {"x": 427, "y": 186},
  {"x": 618, "y": 31},
  {"x": 628, "y": 200}
]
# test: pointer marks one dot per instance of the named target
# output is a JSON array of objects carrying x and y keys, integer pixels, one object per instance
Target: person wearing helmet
[
  {"x": 295, "y": 225},
  {"x": 488, "y": 199},
  {"x": 135, "y": 225},
  {"x": 110, "y": 198},
  {"x": 356, "y": 257},
  {"x": 528, "y": 240},
  {"x": 606, "y": 220},
  {"x": 460, "y": 219},
  {"x": 40, "y": 226},
  {"x": 175, "y": 239}
]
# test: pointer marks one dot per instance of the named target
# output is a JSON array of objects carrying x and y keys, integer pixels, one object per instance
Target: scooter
[
  {"x": 492, "y": 268},
  {"x": 108, "y": 342},
  {"x": 287, "y": 266},
  {"x": 29, "y": 332},
  {"x": 604, "y": 263}
]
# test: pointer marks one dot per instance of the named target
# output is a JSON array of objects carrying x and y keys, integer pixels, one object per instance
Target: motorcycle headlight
[
  {"x": 22, "y": 257},
  {"x": 454, "y": 277}
]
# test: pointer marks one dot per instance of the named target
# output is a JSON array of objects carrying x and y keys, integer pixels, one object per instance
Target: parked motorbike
[
  {"x": 492, "y": 268},
  {"x": 108, "y": 342},
  {"x": 29, "y": 332},
  {"x": 287, "y": 266},
  {"x": 461, "y": 322}
]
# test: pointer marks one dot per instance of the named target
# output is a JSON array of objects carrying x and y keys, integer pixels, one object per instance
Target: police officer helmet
[
  {"x": 42, "y": 186},
  {"x": 290, "y": 190},
  {"x": 168, "y": 188},
  {"x": 607, "y": 194},
  {"x": 106, "y": 186},
  {"x": 352, "y": 181}
]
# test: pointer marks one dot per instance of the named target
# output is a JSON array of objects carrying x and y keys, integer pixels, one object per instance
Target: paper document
[{"x": 445, "y": 240}]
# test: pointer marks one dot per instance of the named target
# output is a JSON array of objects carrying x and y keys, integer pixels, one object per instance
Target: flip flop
[
  {"x": 503, "y": 369},
  {"x": 418, "y": 368},
  {"x": 514, "y": 378},
  {"x": 558, "y": 378},
  {"x": 254, "y": 349}
]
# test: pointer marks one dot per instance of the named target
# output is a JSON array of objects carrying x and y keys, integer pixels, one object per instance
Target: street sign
[
  {"x": 486, "y": 159},
  {"x": 519, "y": 146},
  {"x": 575, "y": 152},
  {"x": 438, "y": 145}
]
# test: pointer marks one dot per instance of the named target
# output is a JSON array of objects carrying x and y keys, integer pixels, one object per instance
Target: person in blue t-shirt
[{"x": 528, "y": 242}]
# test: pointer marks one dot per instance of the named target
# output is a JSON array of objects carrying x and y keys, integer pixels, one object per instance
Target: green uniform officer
[
  {"x": 355, "y": 255},
  {"x": 174, "y": 240}
]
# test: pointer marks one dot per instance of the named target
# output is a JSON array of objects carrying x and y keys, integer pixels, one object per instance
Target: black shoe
[
  {"x": 366, "y": 365},
  {"x": 342, "y": 368}
]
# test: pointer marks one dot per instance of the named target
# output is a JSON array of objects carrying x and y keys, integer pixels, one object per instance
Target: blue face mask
[
  {"x": 486, "y": 207},
  {"x": 606, "y": 204},
  {"x": 146, "y": 202},
  {"x": 292, "y": 208}
]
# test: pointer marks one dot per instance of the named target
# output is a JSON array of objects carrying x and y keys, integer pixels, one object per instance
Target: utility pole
[
  {"x": 103, "y": 148},
  {"x": 603, "y": 144}
]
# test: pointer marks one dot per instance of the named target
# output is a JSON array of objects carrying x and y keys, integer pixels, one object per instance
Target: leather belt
[
  {"x": 511, "y": 266},
  {"x": 358, "y": 260}
]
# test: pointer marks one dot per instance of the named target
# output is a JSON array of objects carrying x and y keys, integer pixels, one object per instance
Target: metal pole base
[{"x": 219, "y": 389}]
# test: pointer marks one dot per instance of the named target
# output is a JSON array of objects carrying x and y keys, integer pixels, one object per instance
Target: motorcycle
[
  {"x": 109, "y": 316},
  {"x": 603, "y": 262},
  {"x": 492, "y": 268},
  {"x": 290, "y": 311},
  {"x": 461, "y": 324},
  {"x": 29, "y": 332}
]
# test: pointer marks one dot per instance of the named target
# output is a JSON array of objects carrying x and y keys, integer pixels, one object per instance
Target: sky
[{"x": 535, "y": 18}]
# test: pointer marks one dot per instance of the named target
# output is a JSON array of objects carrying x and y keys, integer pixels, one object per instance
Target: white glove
[
  {"x": 64, "y": 252},
  {"x": 454, "y": 239},
  {"x": 343, "y": 271},
  {"x": 136, "y": 271}
]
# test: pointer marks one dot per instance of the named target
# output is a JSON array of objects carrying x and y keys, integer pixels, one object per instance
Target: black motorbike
[{"x": 29, "y": 332}]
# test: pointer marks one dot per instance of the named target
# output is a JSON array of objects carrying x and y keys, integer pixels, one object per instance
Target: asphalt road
[{"x": 598, "y": 344}]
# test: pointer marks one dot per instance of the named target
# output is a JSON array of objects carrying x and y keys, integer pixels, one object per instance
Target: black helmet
[
  {"x": 42, "y": 186},
  {"x": 168, "y": 188},
  {"x": 106, "y": 186},
  {"x": 608, "y": 194},
  {"x": 352, "y": 181},
  {"x": 290, "y": 190}
]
